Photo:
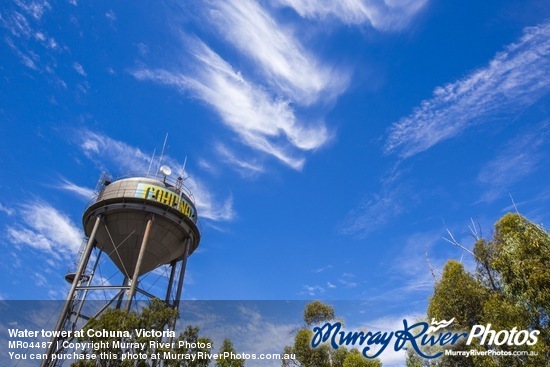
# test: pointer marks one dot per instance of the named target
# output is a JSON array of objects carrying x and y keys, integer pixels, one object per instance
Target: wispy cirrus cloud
[
  {"x": 6, "y": 210},
  {"x": 322, "y": 269},
  {"x": 19, "y": 19},
  {"x": 374, "y": 212},
  {"x": 45, "y": 228},
  {"x": 287, "y": 65},
  {"x": 419, "y": 254},
  {"x": 79, "y": 69},
  {"x": 262, "y": 122},
  {"x": 347, "y": 280},
  {"x": 312, "y": 290},
  {"x": 84, "y": 192},
  {"x": 106, "y": 151},
  {"x": 100, "y": 148},
  {"x": 257, "y": 326},
  {"x": 264, "y": 106},
  {"x": 34, "y": 8},
  {"x": 344, "y": 280},
  {"x": 514, "y": 79},
  {"x": 515, "y": 161},
  {"x": 207, "y": 205},
  {"x": 382, "y": 15},
  {"x": 246, "y": 168},
  {"x": 22, "y": 21}
]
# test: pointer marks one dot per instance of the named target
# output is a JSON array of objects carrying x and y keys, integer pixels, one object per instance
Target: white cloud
[
  {"x": 514, "y": 79},
  {"x": 345, "y": 279},
  {"x": 263, "y": 123},
  {"x": 28, "y": 58},
  {"x": 84, "y": 192},
  {"x": 244, "y": 167},
  {"x": 17, "y": 24},
  {"x": 286, "y": 64},
  {"x": 79, "y": 69},
  {"x": 34, "y": 8},
  {"x": 90, "y": 144},
  {"x": 312, "y": 290},
  {"x": 111, "y": 15},
  {"x": 45, "y": 40},
  {"x": 516, "y": 160},
  {"x": 260, "y": 107},
  {"x": 45, "y": 228},
  {"x": 207, "y": 207},
  {"x": 98, "y": 146},
  {"x": 40, "y": 280},
  {"x": 374, "y": 213},
  {"x": 255, "y": 331},
  {"x": 8, "y": 211},
  {"x": 412, "y": 262},
  {"x": 390, "y": 15},
  {"x": 322, "y": 269},
  {"x": 207, "y": 166},
  {"x": 143, "y": 49},
  {"x": 24, "y": 33}
]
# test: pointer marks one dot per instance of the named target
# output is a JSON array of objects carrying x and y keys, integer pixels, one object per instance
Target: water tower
[{"x": 140, "y": 223}]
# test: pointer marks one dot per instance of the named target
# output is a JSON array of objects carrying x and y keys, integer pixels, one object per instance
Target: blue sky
[{"x": 328, "y": 145}]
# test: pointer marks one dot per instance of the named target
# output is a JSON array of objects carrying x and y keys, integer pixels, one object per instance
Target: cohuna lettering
[{"x": 166, "y": 197}]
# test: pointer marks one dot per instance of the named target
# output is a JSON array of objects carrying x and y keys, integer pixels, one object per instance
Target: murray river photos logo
[{"x": 418, "y": 335}]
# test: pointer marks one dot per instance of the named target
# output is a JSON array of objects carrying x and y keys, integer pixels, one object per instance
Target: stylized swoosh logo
[{"x": 439, "y": 325}]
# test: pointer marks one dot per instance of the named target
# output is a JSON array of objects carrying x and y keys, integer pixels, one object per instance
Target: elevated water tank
[{"x": 126, "y": 205}]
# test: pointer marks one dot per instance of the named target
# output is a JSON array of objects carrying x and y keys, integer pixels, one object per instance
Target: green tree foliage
[
  {"x": 522, "y": 259},
  {"x": 228, "y": 356},
  {"x": 414, "y": 360},
  {"x": 324, "y": 355},
  {"x": 308, "y": 356},
  {"x": 355, "y": 359},
  {"x": 339, "y": 356},
  {"x": 511, "y": 288},
  {"x": 464, "y": 303},
  {"x": 317, "y": 312}
]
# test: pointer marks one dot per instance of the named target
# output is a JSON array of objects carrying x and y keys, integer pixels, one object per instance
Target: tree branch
[
  {"x": 454, "y": 242},
  {"x": 475, "y": 231},
  {"x": 430, "y": 266},
  {"x": 514, "y": 204}
]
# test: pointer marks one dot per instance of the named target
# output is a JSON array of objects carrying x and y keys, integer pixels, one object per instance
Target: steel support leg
[
  {"x": 135, "y": 277},
  {"x": 70, "y": 297}
]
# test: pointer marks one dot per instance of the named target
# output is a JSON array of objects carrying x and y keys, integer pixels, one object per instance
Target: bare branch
[
  {"x": 480, "y": 231},
  {"x": 454, "y": 242},
  {"x": 475, "y": 231},
  {"x": 514, "y": 204},
  {"x": 430, "y": 266}
]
